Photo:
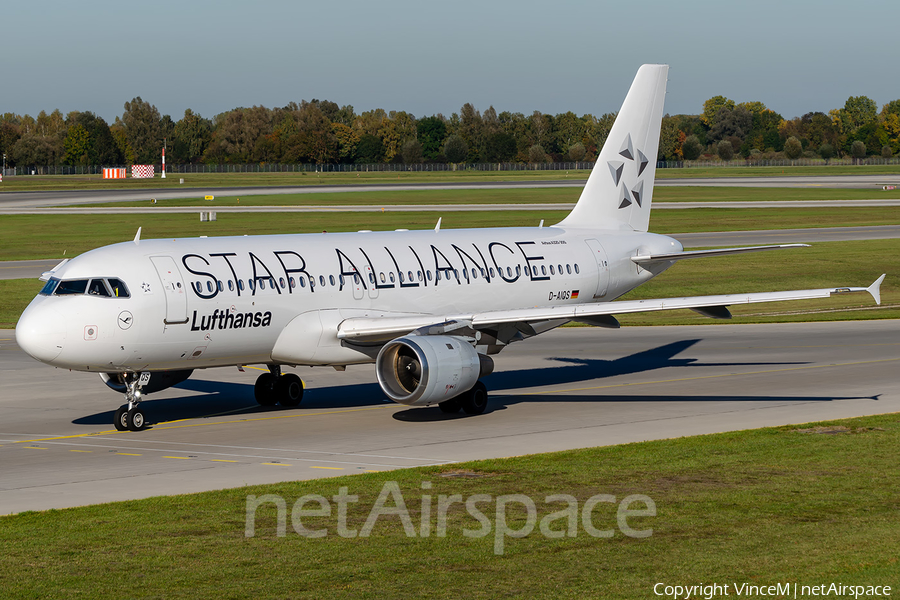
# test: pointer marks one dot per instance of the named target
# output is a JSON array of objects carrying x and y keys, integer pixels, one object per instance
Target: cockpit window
[
  {"x": 118, "y": 288},
  {"x": 71, "y": 287},
  {"x": 104, "y": 288},
  {"x": 49, "y": 286},
  {"x": 98, "y": 288}
]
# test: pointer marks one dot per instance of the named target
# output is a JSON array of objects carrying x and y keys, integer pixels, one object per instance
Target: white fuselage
[{"x": 207, "y": 302}]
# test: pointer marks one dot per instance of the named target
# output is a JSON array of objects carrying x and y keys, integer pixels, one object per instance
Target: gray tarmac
[
  {"x": 10, "y": 200},
  {"x": 569, "y": 388}
]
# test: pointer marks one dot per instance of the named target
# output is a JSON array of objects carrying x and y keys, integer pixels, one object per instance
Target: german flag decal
[{"x": 574, "y": 294}]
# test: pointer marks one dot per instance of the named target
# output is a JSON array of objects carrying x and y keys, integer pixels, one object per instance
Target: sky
[{"x": 432, "y": 57}]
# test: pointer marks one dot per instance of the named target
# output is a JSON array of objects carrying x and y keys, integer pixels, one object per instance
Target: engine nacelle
[
  {"x": 159, "y": 380},
  {"x": 422, "y": 370}
]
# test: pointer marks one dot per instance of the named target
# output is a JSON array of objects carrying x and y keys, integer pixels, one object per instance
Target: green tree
[
  {"x": 725, "y": 150},
  {"x": 860, "y": 111},
  {"x": 103, "y": 147},
  {"x": 411, "y": 150},
  {"x": 536, "y": 154},
  {"x": 576, "y": 152},
  {"x": 793, "y": 148},
  {"x": 711, "y": 109},
  {"x": 691, "y": 148},
  {"x": 369, "y": 150},
  {"x": 886, "y": 151},
  {"x": 143, "y": 130},
  {"x": 77, "y": 146},
  {"x": 858, "y": 150},
  {"x": 431, "y": 132},
  {"x": 826, "y": 151},
  {"x": 190, "y": 138},
  {"x": 455, "y": 149}
]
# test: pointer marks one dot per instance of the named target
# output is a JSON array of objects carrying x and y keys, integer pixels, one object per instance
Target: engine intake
[{"x": 422, "y": 370}]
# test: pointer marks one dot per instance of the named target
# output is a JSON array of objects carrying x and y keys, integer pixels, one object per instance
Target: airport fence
[{"x": 176, "y": 169}]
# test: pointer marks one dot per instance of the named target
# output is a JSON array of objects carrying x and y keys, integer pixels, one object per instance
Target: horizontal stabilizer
[{"x": 673, "y": 256}]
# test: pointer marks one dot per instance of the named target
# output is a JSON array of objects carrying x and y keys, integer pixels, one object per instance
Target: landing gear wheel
[
  {"x": 120, "y": 419},
  {"x": 135, "y": 419},
  {"x": 450, "y": 406},
  {"x": 474, "y": 402},
  {"x": 264, "y": 390},
  {"x": 289, "y": 389}
]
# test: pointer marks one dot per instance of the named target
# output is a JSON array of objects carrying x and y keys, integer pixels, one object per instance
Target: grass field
[
  {"x": 57, "y": 182},
  {"x": 806, "y": 504}
]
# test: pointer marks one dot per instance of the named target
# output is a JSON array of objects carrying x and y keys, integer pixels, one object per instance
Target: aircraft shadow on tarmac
[{"x": 221, "y": 398}]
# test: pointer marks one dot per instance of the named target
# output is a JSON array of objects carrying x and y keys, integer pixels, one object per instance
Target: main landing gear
[
  {"x": 473, "y": 402},
  {"x": 276, "y": 388},
  {"x": 129, "y": 417}
]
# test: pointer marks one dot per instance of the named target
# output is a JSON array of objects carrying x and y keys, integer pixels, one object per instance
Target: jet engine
[
  {"x": 422, "y": 370},
  {"x": 159, "y": 380}
]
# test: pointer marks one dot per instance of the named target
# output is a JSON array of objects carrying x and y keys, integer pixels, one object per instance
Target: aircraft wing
[{"x": 384, "y": 328}]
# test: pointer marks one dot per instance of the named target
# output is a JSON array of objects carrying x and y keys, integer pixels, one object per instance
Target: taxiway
[{"x": 570, "y": 388}]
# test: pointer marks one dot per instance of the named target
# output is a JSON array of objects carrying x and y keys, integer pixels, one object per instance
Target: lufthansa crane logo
[
  {"x": 617, "y": 168},
  {"x": 125, "y": 319}
]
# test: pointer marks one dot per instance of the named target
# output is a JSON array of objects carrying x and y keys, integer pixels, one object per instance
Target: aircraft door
[
  {"x": 173, "y": 287},
  {"x": 602, "y": 267},
  {"x": 370, "y": 281},
  {"x": 359, "y": 289}
]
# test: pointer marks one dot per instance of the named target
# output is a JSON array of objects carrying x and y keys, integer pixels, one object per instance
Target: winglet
[
  {"x": 875, "y": 289},
  {"x": 137, "y": 236}
]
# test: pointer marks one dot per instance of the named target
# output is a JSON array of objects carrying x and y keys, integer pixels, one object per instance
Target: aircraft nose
[{"x": 41, "y": 332}]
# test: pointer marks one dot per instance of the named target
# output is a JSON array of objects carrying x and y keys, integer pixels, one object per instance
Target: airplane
[{"x": 429, "y": 308}]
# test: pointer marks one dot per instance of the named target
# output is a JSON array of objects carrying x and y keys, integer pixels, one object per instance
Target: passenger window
[
  {"x": 281, "y": 282},
  {"x": 322, "y": 280},
  {"x": 241, "y": 284},
  {"x": 577, "y": 270},
  {"x": 331, "y": 279},
  {"x": 569, "y": 269},
  {"x": 98, "y": 288},
  {"x": 262, "y": 284},
  {"x": 543, "y": 270},
  {"x": 209, "y": 285},
  {"x": 301, "y": 281},
  {"x": 371, "y": 277},
  {"x": 552, "y": 271},
  {"x": 230, "y": 285},
  {"x": 392, "y": 276},
  {"x": 402, "y": 279},
  {"x": 220, "y": 286}
]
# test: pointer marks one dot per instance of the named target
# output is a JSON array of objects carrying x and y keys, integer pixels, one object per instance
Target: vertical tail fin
[{"x": 619, "y": 190}]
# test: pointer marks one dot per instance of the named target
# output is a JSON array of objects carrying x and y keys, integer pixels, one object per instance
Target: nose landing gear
[
  {"x": 274, "y": 387},
  {"x": 129, "y": 416}
]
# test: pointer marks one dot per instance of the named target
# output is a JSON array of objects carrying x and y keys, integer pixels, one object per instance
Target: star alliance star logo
[
  {"x": 146, "y": 287},
  {"x": 616, "y": 169}
]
